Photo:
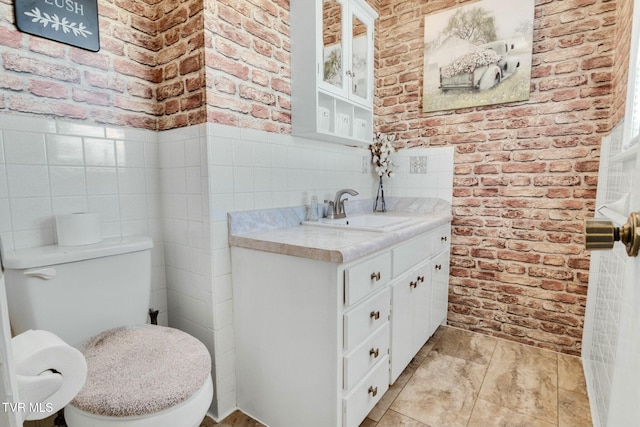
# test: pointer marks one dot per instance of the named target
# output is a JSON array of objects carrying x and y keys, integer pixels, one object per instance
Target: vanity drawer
[
  {"x": 366, "y": 317},
  {"x": 362, "y": 358},
  {"x": 366, "y": 394},
  {"x": 440, "y": 238},
  {"x": 364, "y": 278},
  {"x": 411, "y": 253}
]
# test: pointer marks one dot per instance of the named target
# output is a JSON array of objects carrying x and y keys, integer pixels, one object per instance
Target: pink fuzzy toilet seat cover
[{"x": 141, "y": 370}]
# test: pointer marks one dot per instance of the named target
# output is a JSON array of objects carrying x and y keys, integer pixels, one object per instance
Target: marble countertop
[{"x": 280, "y": 230}]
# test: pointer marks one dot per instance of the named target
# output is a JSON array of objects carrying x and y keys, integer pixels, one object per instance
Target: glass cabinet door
[
  {"x": 359, "y": 59},
  {"x": 333, "y": 44}
]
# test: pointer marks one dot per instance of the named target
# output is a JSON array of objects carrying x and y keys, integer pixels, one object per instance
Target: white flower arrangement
[{"x": 381, "y": 150}]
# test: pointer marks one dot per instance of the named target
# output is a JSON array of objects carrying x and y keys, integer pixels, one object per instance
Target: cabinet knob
[
  {"x": 438, "y": 266},
  {"x": 443, "y": 238},
  {"x": 375, "y": 315},
  {"x": 373, "y": 391},
  {"x": 413, "y": 285},
  {"x": 375, "y": 276},
  {"x": 374, "y": 353}
]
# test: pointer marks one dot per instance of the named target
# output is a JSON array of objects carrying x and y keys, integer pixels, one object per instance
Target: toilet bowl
[
  {"x": 96, "y": 298},
  {"x": 186, "y": 414}
]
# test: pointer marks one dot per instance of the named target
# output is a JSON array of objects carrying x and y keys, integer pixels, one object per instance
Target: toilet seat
[{"x": 143, "y": 376}]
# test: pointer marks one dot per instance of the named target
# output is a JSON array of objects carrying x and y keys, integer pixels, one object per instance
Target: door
[
  {"x": 611, "y": 339},
  {"x": 625, "y": 387}
]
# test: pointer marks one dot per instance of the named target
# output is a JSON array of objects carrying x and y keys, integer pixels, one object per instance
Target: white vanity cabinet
[
  {"x": 332, "y": 70},
  {"x": 315, "y": 339}
]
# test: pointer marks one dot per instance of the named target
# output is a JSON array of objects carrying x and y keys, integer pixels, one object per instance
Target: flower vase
[{"x": 380, "y": 205}]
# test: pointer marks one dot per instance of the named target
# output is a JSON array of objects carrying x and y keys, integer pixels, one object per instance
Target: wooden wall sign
[{"x": 74, "y": 22}]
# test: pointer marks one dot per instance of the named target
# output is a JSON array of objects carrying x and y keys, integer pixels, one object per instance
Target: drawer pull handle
[
  {"x": 443, "y": 239},
  {"x": 375, "y": 315},
  {"x": 413, "y": 285},
  {"x": 421, "y": 279},
  {"x": 373, "y": 391},
  {"x": 375, "y": 276},
  {"x": 374, "y": 353},
  {"x": 438, "y": 266}
]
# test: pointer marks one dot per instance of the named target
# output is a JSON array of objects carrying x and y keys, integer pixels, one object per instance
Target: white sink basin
[{"x": 367, "y": 222}]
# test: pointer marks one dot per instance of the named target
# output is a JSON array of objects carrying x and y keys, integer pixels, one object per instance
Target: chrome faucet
[{"x": 336, "y": 207}]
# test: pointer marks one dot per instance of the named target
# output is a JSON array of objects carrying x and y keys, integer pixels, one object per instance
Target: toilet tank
[{"x": 77, "y": 292}]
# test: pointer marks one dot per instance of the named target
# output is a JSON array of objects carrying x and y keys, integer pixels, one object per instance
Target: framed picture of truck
[{"x": 478, "y": 54}]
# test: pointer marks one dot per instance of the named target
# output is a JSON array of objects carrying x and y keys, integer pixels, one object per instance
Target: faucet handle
[{"x": 331, "y": 211}]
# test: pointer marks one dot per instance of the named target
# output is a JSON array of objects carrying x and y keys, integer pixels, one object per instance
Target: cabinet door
[
  {"x": 333, "y": 76},
  {"x": 440, "y": 283},
  {"x": 422, "y": 325},
  {"x": 347, "y": 50},
  {"x": 410, "y": 317},
  {"x": 361, "y": 57}
]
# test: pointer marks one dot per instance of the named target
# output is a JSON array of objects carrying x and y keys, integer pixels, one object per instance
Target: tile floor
[{"x": 461, "y": 378}]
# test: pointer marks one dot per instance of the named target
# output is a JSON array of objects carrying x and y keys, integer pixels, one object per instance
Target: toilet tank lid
[{"x": 54, "y": 254}]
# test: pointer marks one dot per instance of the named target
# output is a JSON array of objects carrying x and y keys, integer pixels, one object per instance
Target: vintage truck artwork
[
  {"x": 477, "y": 53},
  {"x": 481, "y": 69}
]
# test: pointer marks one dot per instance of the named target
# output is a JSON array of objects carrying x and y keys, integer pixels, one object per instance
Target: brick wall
[
  {"x": 147, "y": 74},
  {"x": 248, "y": 64},
  {"x": 525, "y": 173},
  {"x": 622, "y": 42}
]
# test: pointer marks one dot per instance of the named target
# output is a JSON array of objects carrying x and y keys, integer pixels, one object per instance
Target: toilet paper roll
[
  {"x": 50, "y": 373},
  {"x": 78, "y": 229}
]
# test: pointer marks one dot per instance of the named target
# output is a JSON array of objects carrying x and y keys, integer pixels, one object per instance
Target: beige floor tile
[
  {"x": 394, "y": 419},
  {"x": 441, "y": 392},
  {"x": 368, "y": 422},
  {"x": 385, "y": 402},
  {"x": 466, "y": 345},
  {"x": 570, "y": 374},
  {"x": 573, "y": 409},
  {"x": 487, "y": 414},
  {"x": 523, "y": 379}
]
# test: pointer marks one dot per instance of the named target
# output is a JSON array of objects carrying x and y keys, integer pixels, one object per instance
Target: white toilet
[{"x": 95, "y": 297}]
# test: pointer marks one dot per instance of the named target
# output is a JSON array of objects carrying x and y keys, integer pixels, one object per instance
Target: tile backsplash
[{"x": 49, "y": 168}]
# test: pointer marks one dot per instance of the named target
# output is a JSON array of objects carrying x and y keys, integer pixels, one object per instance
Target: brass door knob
[{"x": 601, "y": 234}]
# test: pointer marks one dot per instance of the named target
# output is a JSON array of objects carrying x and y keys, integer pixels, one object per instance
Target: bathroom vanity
[{"x": 327, "y": 317}]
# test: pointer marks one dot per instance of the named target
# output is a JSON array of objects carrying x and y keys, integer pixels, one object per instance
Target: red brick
[{"x": 48, "y": 89}]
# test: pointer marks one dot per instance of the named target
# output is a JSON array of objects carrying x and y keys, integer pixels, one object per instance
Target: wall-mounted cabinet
[{"x": 332, "y": 70}]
